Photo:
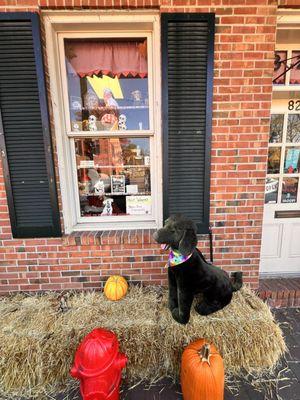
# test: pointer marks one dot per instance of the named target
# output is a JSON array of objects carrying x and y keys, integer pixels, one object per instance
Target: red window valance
[{"x": 108, "y": 58}]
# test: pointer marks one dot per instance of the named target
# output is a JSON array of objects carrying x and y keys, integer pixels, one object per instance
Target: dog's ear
[{"x": 188, "y": 242}]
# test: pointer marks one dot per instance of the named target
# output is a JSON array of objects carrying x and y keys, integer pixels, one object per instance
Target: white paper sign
[
  {"x": 87, "y": 163},
  {"x": 138, "y": 205},
  {"x": 132, "y": 189}
]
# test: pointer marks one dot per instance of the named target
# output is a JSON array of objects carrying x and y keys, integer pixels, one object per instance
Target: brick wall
[{"x": 244, "y": 45}]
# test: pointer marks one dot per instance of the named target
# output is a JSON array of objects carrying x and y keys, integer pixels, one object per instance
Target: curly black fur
[{"x": 194, "y": 275}]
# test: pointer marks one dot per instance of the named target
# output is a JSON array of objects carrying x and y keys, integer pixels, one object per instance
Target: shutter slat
[
  {"x": 187, "y": 49},
  {"x": 31, "y": 186}
]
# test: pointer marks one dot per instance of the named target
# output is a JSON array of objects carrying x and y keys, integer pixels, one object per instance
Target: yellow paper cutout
[{"x": 106, "y": 82}]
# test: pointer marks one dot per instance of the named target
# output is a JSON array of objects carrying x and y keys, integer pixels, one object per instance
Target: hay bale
[
  {"x": 244, "y": 332},
  {"x": 38, "y": 340}
]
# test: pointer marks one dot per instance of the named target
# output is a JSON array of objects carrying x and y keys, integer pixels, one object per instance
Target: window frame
[{"x": 59, "y": 26}]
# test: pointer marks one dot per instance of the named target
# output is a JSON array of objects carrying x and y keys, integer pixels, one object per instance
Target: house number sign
[{"x": 294, "y": 105}]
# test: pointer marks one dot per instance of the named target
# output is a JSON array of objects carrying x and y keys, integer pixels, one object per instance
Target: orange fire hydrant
[{"x": 98, "y": 365}]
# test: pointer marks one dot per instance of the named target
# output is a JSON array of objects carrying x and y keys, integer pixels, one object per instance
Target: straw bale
[
  {"x": 244, "y": 332},
  {"x": 39, "y": 335}
]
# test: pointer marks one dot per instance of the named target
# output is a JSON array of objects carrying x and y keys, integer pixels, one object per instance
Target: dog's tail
[{"x": 237, "y": 281}]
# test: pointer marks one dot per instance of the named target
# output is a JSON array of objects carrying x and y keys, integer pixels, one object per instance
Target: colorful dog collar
[{"x": 176, "y": 258}]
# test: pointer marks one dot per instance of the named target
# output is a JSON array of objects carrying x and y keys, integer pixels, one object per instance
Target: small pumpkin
[
  {"x": 202, "y": 372},
  {"x": 115, "y": 287}
]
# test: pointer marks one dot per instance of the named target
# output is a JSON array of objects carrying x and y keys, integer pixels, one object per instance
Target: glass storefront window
[
  {"x": 107, "y": 84},
  {"x": 113, "y": 176},
  {"x": 293, "y": 128},
  {"x": 279, "y": 67},
  {"x": 289, "y": 190},
  {"x": 295, "y": 71},
  {"x": 292, "y": 160},
  {"x": 274, "y": 160},
  {"x": 276, "y": 128}
]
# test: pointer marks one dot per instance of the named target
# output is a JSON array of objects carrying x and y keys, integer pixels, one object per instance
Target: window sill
[{"x": 122, "y": 236}]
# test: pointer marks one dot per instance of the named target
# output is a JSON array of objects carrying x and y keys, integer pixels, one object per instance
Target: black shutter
[
  {"x": 24, "y": 130},
  {"x": 187, "y": 76}
]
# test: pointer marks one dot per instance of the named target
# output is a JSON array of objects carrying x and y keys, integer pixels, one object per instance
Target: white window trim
[{"x": 58, "y": 23}]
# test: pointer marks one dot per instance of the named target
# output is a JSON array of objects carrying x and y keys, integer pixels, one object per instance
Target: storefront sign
[{"x": 271, "y": 190}]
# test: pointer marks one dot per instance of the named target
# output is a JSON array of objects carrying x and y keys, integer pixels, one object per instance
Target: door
[{"x": 280, "y": 253}]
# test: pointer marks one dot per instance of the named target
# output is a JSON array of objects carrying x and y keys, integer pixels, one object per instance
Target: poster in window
[
  {"x": 274, "y": 160},
  {"x": 295, "y": 71},
  {"x": 292, "y": 160},
  {"x": 289, "y": 190},
  {"x": 271, "y": 190},
  {"x": 279, "y": 67},
  {"x": 138, "y": 205},
  {"x": 118, "y": 183}
]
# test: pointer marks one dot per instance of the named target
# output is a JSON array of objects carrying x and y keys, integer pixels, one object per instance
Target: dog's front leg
[
  {"x": 182, "y": 313},
  {"x": 173, "y": 300}
]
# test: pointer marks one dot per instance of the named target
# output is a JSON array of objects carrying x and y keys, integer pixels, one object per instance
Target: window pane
[
  {"x": 271, "y": 190},
  {"x": 289, "y": 190},
  {"x": 292, "y": 160},
  {"x": 293, "y": 128},
  {"x": 295, "y": 71},
  {"x": 107, "y": 84},
  {"x": 274, "y": 160},
  {"x": 113, "y": 176},
  {"x": 279, "y": 67},
  {"x": 276, "y": 128}
]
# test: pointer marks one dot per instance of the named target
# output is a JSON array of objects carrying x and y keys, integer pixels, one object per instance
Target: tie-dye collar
[{"x": 176, "y": 258}]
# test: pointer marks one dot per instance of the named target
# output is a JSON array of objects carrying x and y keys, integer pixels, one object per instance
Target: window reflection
[
  {"x": 293, "y": 128},
  {"x": 295, "y": 71},
  {"x": 279, "y": 67},
  {"x": 276, "y": 128}
]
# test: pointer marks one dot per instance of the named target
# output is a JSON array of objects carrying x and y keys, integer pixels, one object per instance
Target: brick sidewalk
[{"x": 283, "y": 292}]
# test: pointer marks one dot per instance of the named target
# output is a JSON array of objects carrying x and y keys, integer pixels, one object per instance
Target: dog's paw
[
  {"x": 206, "y": 309},
  {"x": 178, "y": 318}
]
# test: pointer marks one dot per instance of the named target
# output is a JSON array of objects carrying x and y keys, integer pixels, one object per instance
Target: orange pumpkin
[
  {"x": 115, "y": 287},
  {"x": 202, "y": 372}
]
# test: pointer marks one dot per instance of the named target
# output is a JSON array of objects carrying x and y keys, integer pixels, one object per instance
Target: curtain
[{"x": 108, "y": 58}]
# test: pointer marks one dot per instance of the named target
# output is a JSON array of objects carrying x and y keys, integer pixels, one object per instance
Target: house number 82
[{"x": 294, "y": 105}]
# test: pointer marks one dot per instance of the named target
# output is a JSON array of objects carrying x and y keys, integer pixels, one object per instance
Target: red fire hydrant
[{"x": 98, "y": 365}]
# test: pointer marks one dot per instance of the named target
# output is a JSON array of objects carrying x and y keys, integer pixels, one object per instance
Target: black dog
[{"x": 192, "y": 274}]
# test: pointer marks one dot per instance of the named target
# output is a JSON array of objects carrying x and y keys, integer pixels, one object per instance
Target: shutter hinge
[{"x": 3, "y": 153}]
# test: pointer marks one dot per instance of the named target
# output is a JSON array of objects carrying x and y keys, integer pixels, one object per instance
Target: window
[
  {"x": 108, "y": 92},
  {"x": 109, "y": 121},
  {"x": 283, "y": 171},
  {"x": 106, "y": 87}
]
